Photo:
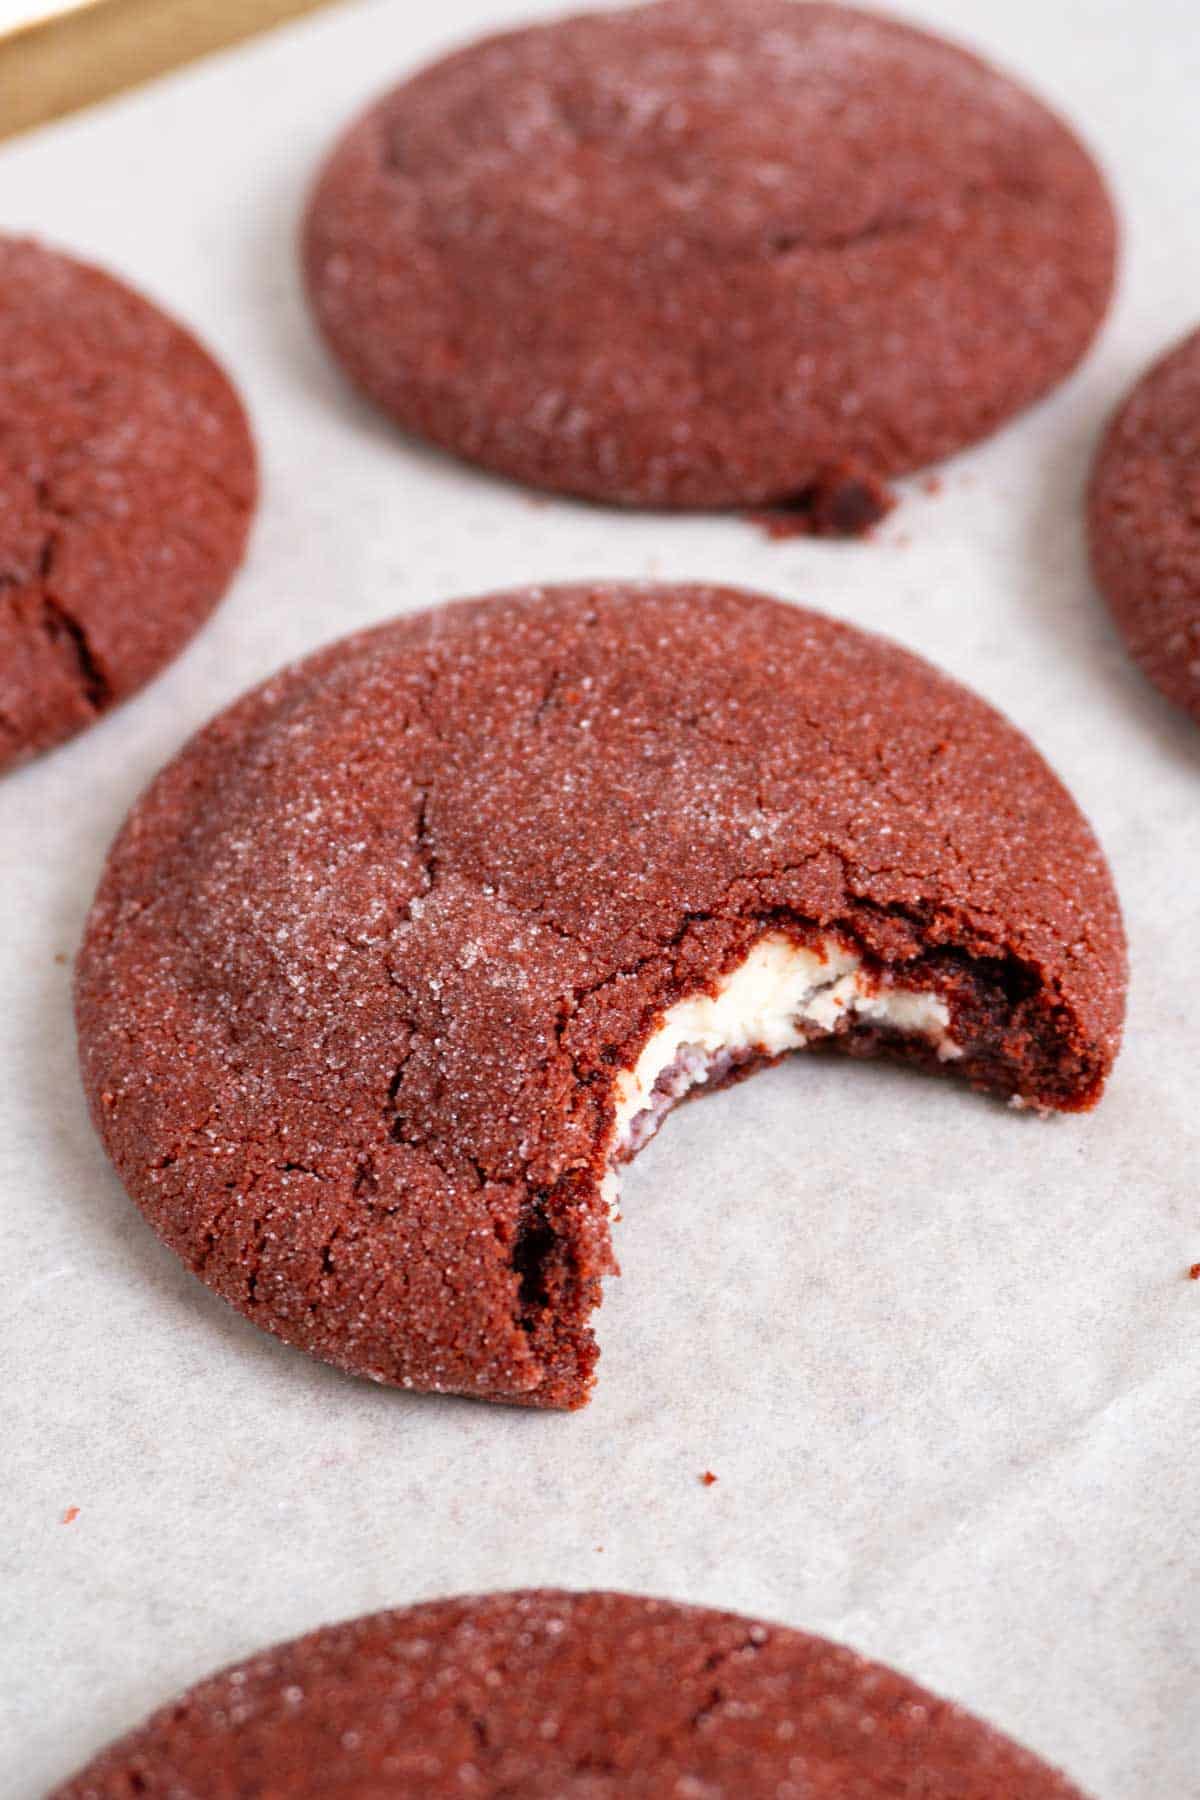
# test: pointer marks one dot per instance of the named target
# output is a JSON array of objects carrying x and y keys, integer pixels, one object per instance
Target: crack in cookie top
[
  {"x": 700, "y": 254},
  {"x": 127, "y": 481},
  {"x": 545, "y": 1694},
  {"x": 1144, "y": 523},
  {"x": 409, "y": 948}
]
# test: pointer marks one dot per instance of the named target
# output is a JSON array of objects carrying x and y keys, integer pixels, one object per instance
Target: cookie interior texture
[
  {"x": 698, "y": 254},
  {"x": 127, "y": 482},
  {"x": 544, "y": 1695},
  {"x": 408, "y": 949},
  {"x": 1144, "y": 523}
]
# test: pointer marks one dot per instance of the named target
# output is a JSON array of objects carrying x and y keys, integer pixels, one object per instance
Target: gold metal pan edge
[{"x": 84, "y": 53}]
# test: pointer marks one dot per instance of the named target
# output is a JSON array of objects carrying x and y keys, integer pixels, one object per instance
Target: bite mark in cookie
[{"x": 781, "y": 997}]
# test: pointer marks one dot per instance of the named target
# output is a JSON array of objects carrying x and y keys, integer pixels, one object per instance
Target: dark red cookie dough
[
  {"x": 127, "y": 481},
  {"x": 1144, "y": 523},
  {"x": 704, "y": 255},
  {"x": 371, "y": 955},
  {"x": 543, "y": 1694}
]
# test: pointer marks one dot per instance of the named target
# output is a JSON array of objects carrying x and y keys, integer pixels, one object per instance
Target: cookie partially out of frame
[
  {"x": 701, "y": 254},
  {"x": 411, "y": 948},
  {"x": 1144, "y": 523},
  {"x": 545, "y": 1695},
  {"x": 127, "y": 481}
]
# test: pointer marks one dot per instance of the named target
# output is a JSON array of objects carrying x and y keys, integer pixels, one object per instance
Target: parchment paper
[{"x": 944, "y": 1360}]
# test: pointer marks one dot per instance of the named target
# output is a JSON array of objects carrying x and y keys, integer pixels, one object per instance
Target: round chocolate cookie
[
  {"x": 697, "y": 254},
  {"x": 1144, "y": 523},
  {"x": 542, "y": 1695},
  {"x": 127, "y": 481},
  {"x": 408, "y": 950}
]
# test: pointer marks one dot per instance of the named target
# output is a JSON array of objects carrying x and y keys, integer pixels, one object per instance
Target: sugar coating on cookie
[
  {"x": 545, "y": 1694},
  {"x": 127, "y": 481},
  {"x": 408, "y": 951},
  {"x": 1144, "y": 523},
  {"x": 701, "y": 255}
]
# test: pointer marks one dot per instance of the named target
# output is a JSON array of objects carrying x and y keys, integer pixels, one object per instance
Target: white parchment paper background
[{"x": 944, "y": 1361}]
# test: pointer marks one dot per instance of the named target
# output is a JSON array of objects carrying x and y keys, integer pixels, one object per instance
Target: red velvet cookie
[
  {"x": 1144, "y": 523},
  {"x": 544, "y": 1694},
  {"x": 410, "y": 948},
  {"x": 698, "y": 254},
  {"x": 127, "y": 481}
]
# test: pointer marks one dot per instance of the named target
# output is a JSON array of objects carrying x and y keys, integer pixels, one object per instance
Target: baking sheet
[{"x": 944, "y": 1360}]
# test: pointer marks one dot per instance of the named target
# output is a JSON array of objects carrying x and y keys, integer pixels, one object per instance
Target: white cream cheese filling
[{"x": 778, "y": 998}]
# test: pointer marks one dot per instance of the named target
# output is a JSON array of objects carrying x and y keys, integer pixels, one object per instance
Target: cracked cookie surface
[
  {"x": 127, "y": 482},
  {"x": 707, "y": 255},
  {"x": 544, "y": 1694},
  {"x": 1144, "y": 523},
  {"x": 364, "y": 995}
]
